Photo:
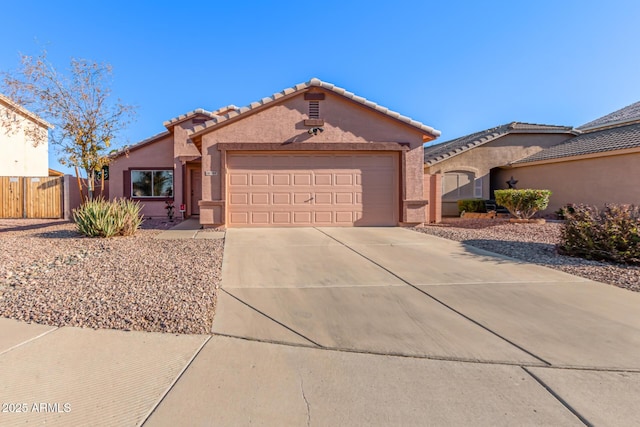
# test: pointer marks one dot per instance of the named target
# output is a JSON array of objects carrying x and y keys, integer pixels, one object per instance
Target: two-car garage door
[{"x": 312, "y": 189}]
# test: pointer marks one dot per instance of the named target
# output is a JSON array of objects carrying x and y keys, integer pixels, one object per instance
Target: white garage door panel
[{"x": 312, "y": 190}]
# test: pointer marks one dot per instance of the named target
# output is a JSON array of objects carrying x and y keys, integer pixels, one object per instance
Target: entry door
[{"x": 196, "y": 190}]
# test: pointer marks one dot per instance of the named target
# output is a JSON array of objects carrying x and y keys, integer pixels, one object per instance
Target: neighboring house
[
  {"x": 601, "y": 165},
  {"x": 595, "y": 164},
  {"x": 24, "y": 145},
  {"x": 313, "y": 154},
  {"x": 468, "y": 164}
]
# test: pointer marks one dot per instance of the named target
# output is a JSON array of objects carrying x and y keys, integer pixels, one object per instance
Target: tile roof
[
  {"x": 617, "y": 138},
  {"x": 314, "y": 82},
  {"x": 624, "y": 115},
  {"x": 190, "y": 114},
  {"x": 438, "y": 152}
]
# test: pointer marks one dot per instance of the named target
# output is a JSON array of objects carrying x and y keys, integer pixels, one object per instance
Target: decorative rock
[
  {"x": 118, "y": 283},
  {"x": 532, "y": 243}
]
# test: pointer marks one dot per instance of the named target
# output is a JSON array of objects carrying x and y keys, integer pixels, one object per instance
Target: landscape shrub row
[
  {"x": 471, "y": 205},
  {"x": 611, "y": 234}
]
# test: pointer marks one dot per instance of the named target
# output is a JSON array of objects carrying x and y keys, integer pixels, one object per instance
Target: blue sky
[{"x": 458, "y": 66}]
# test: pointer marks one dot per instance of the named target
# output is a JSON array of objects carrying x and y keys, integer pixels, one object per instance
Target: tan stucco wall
[
  {"x": 433, "y": 193},
  {"x": 279, "y": 126},
  {"x": 480, "y": 160},
  {"x": 18, "y": 155},
  {"x": 344, "y": 122},
  {"x": 595, "y": 181},
  {"x": 156, "y": 155}
]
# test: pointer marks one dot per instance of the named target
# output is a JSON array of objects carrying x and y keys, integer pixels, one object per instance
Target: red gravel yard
[
  {"x": 534, "y": 243},
  {"x": 52, "y": 275}
]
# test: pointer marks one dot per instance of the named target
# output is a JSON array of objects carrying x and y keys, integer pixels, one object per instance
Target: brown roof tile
[
  {"x": 196, "y": 112},
  {"x": 630, "y": 113},
  {"x": 611, "y": 139},
  {"x": 436, "y": 153}
]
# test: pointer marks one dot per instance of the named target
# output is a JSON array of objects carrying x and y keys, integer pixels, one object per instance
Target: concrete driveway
[{"x": 360, "y": 326}]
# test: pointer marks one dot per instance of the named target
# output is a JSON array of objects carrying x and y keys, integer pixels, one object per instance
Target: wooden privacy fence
[{"x": 31, "y": 197}]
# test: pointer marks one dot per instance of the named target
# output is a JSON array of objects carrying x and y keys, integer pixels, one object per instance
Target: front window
[
  {"x": 458, "y": 185},
  {"x": 152, "y": 183}
]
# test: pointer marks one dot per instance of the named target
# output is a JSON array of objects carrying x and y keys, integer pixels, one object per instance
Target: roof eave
[
  {"x": 561, "y": 159},
  {"x": 171, "y": 123},
  {"x": 453, "y": 153},
  {"x": 428, "y": 132},
  {"x": 610, "y": 125},
  {"x": 138, "y": 145},
  {"x": 17, "y": 107},
  {"x": 568, "y": 130},
  {"x": 507, "y": 130}
]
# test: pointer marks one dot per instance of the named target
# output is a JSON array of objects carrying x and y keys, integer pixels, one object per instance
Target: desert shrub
[
  {"x": 611, "y": 234},
  {"x": 523, "y": 203},
  {"x": 471, "y": 205},
  {"x": 565, "y": 211},
  {"x": 131, "y": 217},
  {"x": 103, "y": 218}
]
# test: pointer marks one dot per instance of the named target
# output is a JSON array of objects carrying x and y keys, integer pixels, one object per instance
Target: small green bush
[
  {"x": 103, "y": 218},
  {"x": 523, "y": 204},
  {"x": 471, "y": 205},
  {"x": 612, "y": 234}
]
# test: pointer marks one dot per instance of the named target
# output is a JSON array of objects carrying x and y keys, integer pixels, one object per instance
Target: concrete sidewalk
[
  {"x": 83, "y": 377},
  {"x": 189, "y": 229},
  {"x": 365, "y": 326}
]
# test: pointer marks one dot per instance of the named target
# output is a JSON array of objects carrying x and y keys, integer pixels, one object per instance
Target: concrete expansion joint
[
  {"x": 29, "y": 340},
  {"x": 267, "y": 341},
  {"x": 175, "y": 380},
  {"x": 587, "y": 368},
  {"x": 563, "y": 402},
  {"x": 434, "y": 358},
  {"x": 269, "y": 317},
  {"x": 491, "y": 331}
]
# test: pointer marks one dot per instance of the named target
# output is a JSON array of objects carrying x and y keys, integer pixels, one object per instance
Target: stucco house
[
  {"x": 596, "y": 163},
  {"x": 24, "y": 144},
  {"x": 468, "y": 164},
  {"x": 600, "y": 165},
  {"x": 312, "y": 154}
]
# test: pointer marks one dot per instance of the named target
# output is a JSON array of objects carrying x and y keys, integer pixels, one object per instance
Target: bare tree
[{"x": 78, "y": 104}]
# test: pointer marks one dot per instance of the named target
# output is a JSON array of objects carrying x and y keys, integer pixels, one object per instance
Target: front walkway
[{"x": 189, "y": 229}]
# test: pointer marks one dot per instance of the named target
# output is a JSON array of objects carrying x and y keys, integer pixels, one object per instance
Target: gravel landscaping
[
  {"x": 52, "y": 275},
  {"x": 533, "y": 243}
]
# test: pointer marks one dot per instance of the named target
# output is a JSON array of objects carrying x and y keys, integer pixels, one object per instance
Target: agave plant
[{"x": 103, "y": 218}]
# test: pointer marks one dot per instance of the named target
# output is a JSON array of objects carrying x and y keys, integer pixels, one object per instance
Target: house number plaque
[{"x": 210, "y": 173}]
